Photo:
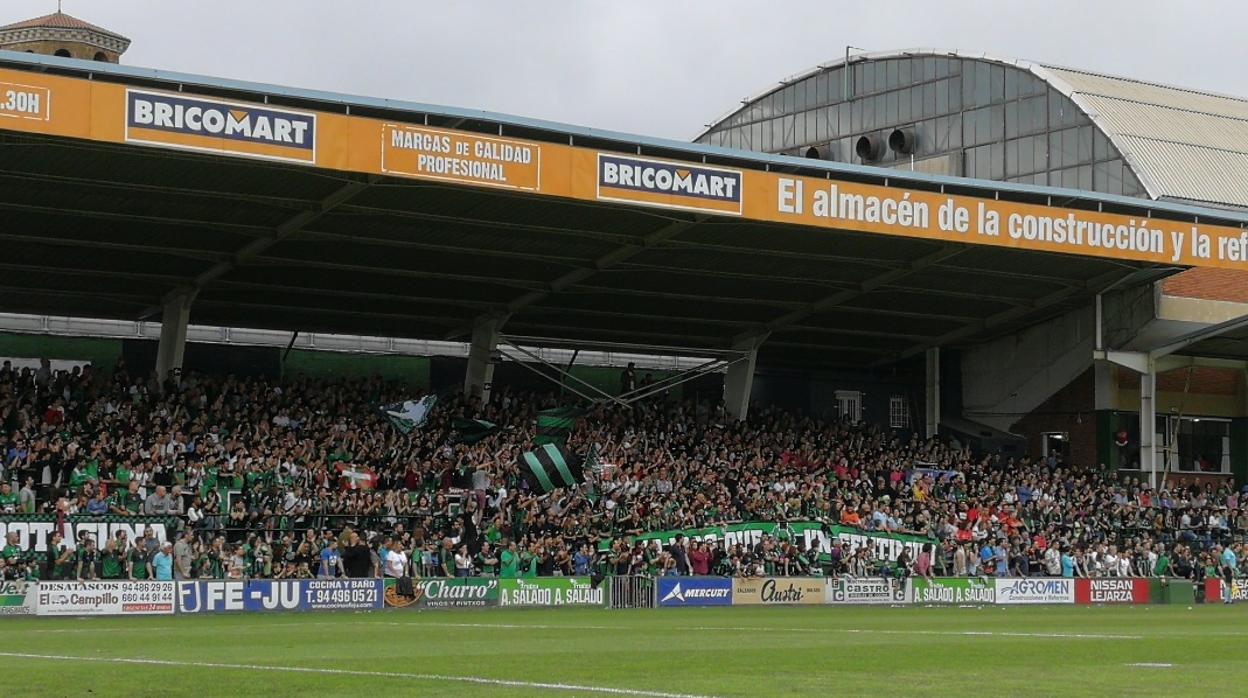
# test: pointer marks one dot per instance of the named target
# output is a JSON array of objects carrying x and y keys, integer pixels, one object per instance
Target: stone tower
[{"x": 59, "y": 34}]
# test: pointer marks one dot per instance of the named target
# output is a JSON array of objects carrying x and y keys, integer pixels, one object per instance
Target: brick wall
[
  {"x": 1209, "y": 284},
  {"x": 1070, "y": 410},
  {"x": 1205, "y": 380},
  {"x": 49, "y": 48}
]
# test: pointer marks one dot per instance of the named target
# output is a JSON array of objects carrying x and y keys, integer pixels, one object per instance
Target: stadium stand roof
[
  {"x": 109, "y": 230},
  {"x": 1182, "y": 144}
]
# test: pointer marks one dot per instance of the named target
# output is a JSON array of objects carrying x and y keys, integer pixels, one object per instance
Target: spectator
[
  {"x": 183, "y": 555},
  {"x": 463, "y": 562},
  {"x": 680, "y": 555},
  {"x": 396, "y": 561},
  {"x": 162, "y": 563},
  {"x": 8, "y": 499},
  {"x": 26, "y": 496},
  {"x": 923, "y": 563},
  {"x": 98, "y": 505},
  {"x": 330, "y": 562},
  {"x": 356, "y": 557},
  {"x": 667, "y": 466},
  {"x": 57, "y": 558},
  {"x": 85, "y": 560}
]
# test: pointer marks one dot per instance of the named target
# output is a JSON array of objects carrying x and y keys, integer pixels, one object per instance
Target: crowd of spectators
[{"x": 252, "y": 471}]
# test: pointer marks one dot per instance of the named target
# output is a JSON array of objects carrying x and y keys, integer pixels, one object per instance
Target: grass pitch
[{"x": 816, "y": 651}]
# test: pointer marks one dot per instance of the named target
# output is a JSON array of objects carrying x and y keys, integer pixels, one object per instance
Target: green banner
[
  {"x": 17, "y": 598},
  {"x": 34, "y": 531},
  {"x": 552, "y": 591},
  {"x": 957, "y": 590},
  {"x": 886, "y": 546},
  {"x": 469, "y": 592}
]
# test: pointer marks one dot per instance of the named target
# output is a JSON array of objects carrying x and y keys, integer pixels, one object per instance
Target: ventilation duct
[
  {"x": 869, "y": 148},
  {"x": 901, "y": 141},
  {"x": 819, "y": 152}
]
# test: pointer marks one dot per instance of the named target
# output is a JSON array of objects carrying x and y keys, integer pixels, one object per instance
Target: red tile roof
[{"x": 60, "y": 20}]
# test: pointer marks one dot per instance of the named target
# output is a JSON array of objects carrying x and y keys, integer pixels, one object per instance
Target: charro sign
[{"x": 114, "y": 113}]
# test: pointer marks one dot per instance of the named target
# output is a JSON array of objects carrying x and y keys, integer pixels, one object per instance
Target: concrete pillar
[
  {"x": 479, "y": 378},
  {"x": 173, "y": 321},
  {"x": 1148, "y": 423},
  {"x": 739, "y": 381},
  {"x": 1105, "y": 388},
  {"x": 931, "y": 395}
]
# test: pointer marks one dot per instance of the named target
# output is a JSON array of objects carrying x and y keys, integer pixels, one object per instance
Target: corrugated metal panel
[
  {"x": 1151, "y": 94},
  {"x": 1190, "y": 172},
  {"x": 1181, "y": 144},
  {"x": 1173, "y": 125}
]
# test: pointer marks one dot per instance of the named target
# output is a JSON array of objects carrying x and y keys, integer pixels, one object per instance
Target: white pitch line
[
  {"x": 352, "y": 672},
  {"x": 1152, "y": 665},
  {"x": 707, "y": 628},
  {"x": 742, "y": 628}
]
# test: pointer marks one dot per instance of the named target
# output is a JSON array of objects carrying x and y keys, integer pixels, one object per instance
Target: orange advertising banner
[
  {"x": 455, "y": 156},
  {"x": 113, "y": 113}
]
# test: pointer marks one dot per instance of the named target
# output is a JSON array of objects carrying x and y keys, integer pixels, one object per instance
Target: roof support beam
[
  {"x": 487, "y": 223},
  {"x": 317, "y": 310},
  {"x": 1191, "y": 338},
  {"x": 343, "y": 293},
  {"x": 218, "y": 226},
  {"x": 133, "y": 298},
  {"x": 131, "y": 187},
  {"x": 106, "y": 245},
  {"x": 842, "y": 297},
  {"x": 253, "y": 249},
  {"x": 93, "y": 272},
  {"x": 453, "y": 249},
  {"x": 1092, "y": 285},
  {"x": 576, "y": 276},
  {"x": 268, "y": 261}
]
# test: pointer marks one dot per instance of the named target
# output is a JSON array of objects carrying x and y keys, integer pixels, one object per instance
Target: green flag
[
  {"x": 407, "y": 415},
  {"x": 470, "y": 431},
  {"x": 554, "y": 425},
  {"x": 549, "y": 466}
]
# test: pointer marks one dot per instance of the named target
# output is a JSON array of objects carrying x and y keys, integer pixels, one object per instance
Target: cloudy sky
[{"x": 660, "y": 68}]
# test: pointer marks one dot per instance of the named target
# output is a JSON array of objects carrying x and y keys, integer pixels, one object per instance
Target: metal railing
[{"x": 632, "y": 592}]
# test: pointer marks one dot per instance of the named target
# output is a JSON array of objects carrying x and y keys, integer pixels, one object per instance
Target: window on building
[
  {"x": 849, "y": 405},
  {"x": 62, "y": 53},
  {"x": 898, "y": 412},
  {"x": 1199, "y": 445}
]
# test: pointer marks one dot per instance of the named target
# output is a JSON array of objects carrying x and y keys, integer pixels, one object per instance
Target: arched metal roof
[{"x": 1181, "y": 144}]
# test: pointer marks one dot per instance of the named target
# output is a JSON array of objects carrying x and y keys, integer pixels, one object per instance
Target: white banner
[
  {"x": 865, "y": 590},
  {"x": 1014, "y": 591},
  {"x": 17, "y": 598},
  {"x": 104, "y": 598}
]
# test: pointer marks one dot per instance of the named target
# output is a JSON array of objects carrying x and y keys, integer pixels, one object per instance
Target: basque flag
[
  {"x": 355, "y": 477},
  {"x": 550, "y": 466}
]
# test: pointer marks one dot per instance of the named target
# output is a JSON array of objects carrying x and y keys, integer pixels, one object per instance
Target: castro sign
[
  {"x": 775, "y": 591},
  {"x": 866, "y": 591}
]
